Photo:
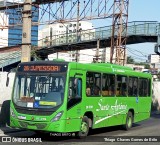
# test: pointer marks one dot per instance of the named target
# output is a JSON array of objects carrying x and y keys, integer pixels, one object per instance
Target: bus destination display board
[{"x": 43, "y": 68}]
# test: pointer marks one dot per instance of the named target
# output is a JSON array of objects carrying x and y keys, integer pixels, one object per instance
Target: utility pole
[
  {"x": 26, "y": 31},
  {"x": 97, "y": 52},
  {"x": 119, "y": 32},
  {"x": 51, "y": 36},
  {"x": 104, "y": 54},
  {"x": 77, "y": 52}
]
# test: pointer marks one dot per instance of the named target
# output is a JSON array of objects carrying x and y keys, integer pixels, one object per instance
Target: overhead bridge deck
[{"x": 137, "y": 32}]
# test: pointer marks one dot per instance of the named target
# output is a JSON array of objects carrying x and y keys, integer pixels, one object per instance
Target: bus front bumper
[{"x": 57, "y": 126}]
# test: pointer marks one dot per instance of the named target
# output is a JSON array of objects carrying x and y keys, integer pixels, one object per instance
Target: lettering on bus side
[
  {"x": 118, "y": 70},
  {"x": 116, "y": 107}
]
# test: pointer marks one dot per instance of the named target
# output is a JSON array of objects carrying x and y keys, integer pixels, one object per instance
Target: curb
[
  {"x": 10, "y": 130},
  {"x": 155, "y": 113}
]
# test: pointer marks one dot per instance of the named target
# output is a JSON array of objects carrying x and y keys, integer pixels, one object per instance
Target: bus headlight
[
  {"x": 57, "y": 117},
  {"x": 12, "y": 113}
]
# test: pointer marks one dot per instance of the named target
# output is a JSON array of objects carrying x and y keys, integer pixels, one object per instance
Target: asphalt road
[{"x": 149, "y": 129}]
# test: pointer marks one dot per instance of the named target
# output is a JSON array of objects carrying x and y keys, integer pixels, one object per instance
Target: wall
[
  {"x": 3, "y": 31},
  {"x": 5, "y": 92},
  {"x": 156, "y": 95}
]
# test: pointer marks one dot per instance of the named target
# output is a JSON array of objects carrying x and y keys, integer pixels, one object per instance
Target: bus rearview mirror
[
  {"x": 7, "y": 81},
  {"x": 70, "y": 92}
]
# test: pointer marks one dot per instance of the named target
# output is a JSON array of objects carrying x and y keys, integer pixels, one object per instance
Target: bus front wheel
[
  {"x": 84, "y": 129},
  {"x": 129, "y": 121}
]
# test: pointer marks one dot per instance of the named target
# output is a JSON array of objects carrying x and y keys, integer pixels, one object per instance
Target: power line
[{"x": 138, "y": 51}]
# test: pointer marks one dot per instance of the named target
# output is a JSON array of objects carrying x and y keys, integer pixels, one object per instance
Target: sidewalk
[
  {"x": 5, "y": 130},
  {"x": 154, "y": 112}
]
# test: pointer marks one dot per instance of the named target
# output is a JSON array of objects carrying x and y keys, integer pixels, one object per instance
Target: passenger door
[{"x": 74, "y": 105}]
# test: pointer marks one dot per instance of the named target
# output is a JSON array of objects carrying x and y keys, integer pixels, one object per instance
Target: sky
[{"x": 141, "y": 10}]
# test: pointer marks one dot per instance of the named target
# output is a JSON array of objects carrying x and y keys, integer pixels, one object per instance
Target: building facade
[
  {"x": 56, "y": 34},
  {"x": 60, "y": 33},
  {"x": 13, "y": 35},
  {"x": 153, "y": 58}
]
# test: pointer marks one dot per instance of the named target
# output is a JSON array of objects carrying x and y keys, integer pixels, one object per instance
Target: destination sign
[{"x": 42, "y": 68}]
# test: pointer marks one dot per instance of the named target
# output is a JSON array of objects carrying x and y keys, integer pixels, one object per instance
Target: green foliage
[
  {"x": 130, "y": 60},
  {"x": 34, "y": 54},
  {"x": 146, "y": 65}
]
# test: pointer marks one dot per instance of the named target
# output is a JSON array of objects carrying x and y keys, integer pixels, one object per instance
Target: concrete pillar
[{"x": 26, "y": 34}]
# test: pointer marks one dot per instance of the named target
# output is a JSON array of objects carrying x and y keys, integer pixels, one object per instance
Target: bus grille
[
  {"x": 38, "y": 125},
  {"x": 23, "y": 124},
  {"x": 41, "y": 125},
  {"x": 33, "y": 112}
]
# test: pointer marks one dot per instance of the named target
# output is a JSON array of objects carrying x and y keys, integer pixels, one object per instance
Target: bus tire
[
  {"x": 129, "y": 121},
  {"x": 84, "y": 128},
  {"x": 5, "y": 113}
]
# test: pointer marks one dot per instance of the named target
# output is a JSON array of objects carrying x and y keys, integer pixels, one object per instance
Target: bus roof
[
  {"x": 109, "y": 68},
  {"x": 99, "y": 67},
  {"x": 112, "y": 66}
]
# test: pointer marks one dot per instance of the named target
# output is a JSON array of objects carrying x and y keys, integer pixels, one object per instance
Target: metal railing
[{"x": 134, "y": 28}]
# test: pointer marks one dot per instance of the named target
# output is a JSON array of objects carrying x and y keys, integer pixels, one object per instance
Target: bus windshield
[{"x": 39, "y": 91}]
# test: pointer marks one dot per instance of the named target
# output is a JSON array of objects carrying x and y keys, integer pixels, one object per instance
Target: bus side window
[
  {"x": 108, "y": 85},
  {"x": 143, "y": 84},
  {"x": 121, "y": 89},
  {"x": 93, "y": 84},
  {"x": 79, "y": 88},
  {"x": 88, "y": 89},
  {"x": 75, "y": 88},
  {"x": 96, "y": 90},
  {"x": 133, "y": 86},
  {"x": 75, "y": 92},
  {"x": 124, "y": 89}
]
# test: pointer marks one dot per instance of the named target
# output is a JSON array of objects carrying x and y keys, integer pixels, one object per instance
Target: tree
[
  {"x": 34, "y": 54},
  {"x": 146, "y": 66},
  {"x": 130, "y": 60}
]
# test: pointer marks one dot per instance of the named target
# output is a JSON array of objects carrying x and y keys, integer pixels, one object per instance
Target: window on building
[
  {"x": 80, "y": 29},
  {"x": 70, "y": 25}
]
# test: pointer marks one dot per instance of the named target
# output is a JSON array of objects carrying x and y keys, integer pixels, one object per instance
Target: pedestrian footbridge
[{"x": 137, "y": 32}]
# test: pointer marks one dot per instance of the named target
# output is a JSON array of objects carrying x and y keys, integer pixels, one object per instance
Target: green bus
[{"x": 70, "y": 97}]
